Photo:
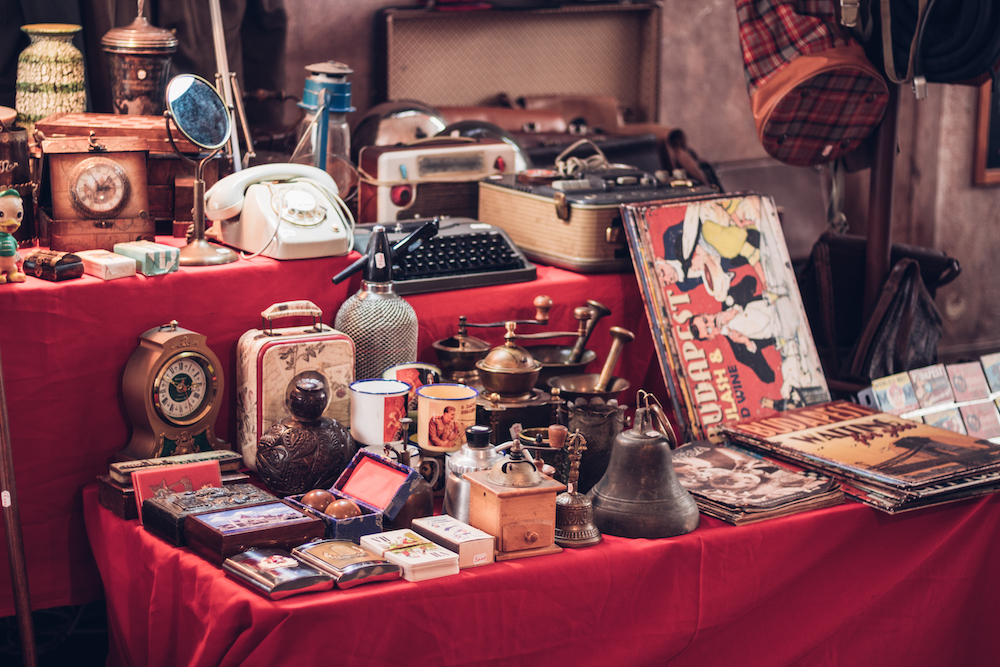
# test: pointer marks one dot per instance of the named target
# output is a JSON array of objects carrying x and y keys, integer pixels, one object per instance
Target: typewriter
[{"x": 464, "y": 253}]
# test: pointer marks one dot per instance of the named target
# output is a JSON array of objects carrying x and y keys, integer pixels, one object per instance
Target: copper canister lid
[{"x": 139, "y": 37}]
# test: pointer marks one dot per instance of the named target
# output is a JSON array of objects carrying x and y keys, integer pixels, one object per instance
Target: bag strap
[
  {"x": 825, "y": 290},
  {"x": 890, "y": 62},
  {"x": 906, "y": 317},
  {"x": 901, "y": 272}
]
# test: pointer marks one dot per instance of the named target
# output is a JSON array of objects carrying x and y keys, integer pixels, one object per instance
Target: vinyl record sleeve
[
  {"x": 873, "y": 447},
  {"x": 725, "y": 311}
]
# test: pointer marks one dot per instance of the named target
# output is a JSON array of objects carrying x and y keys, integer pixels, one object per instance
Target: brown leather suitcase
[{"x": 469, "y": 58}]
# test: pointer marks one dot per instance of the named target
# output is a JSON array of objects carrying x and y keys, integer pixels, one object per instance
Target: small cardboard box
[
  {"x": 218, "y": 535},
  {"x": 473, "y": 546},
  {"x": 378, "y": 485},
  {"x": 151, "y": 259},
  {"x": 106, "y": 265}
]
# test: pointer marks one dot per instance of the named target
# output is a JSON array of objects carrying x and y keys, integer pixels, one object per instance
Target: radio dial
[{"x": 401, "y": 195}]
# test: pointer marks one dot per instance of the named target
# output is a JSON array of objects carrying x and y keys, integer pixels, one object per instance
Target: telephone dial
[{"x": 282, "y": 211}]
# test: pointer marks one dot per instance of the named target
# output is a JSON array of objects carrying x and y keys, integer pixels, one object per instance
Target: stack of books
[
  {"x": 730, "y": 484},
  {"x": 889, "y": 462}
]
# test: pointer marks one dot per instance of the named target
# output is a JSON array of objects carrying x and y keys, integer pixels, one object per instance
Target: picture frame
[{"x": 986, "y": 160}]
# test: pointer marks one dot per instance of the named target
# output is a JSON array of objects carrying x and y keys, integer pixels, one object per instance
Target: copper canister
[{"x": 139, "y": 63}]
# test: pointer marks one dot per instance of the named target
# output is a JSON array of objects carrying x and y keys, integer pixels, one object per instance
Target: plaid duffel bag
[{"x": 815, "y": 95}]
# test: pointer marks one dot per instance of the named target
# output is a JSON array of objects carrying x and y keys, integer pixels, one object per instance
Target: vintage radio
[
  {"x": 573, "y": 222},
  {"x": 423, "y": 180}
]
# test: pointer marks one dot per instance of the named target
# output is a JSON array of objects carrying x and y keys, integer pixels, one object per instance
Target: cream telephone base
[{"x": 281, "y": 211}]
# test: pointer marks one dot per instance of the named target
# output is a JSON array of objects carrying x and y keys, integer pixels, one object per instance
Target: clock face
[
  {"x": 99, "y": 188},
  {"x": 183, "y": 389}
]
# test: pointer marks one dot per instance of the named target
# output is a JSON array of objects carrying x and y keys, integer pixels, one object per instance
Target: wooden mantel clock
[
  {"x": 99, "y": 192},
  {"x": 173, "y": 388}
]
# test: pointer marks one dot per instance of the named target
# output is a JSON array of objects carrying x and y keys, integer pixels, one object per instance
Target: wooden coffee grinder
[{"x": 516, "y": 504}]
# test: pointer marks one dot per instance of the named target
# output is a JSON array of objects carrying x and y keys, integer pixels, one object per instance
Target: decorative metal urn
[{"x": 307, "y": 450}]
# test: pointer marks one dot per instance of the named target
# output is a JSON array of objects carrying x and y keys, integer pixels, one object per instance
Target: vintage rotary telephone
[{"x": 282, "y": 211}]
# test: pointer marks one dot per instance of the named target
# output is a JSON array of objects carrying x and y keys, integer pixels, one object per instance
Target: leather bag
[
  {"x": 815, "y": 95},
  {"x": 905, "y": 327}
]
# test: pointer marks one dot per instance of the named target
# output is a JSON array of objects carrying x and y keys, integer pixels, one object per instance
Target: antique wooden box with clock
[
  {"x": 99, "y": 196},
  {"x": 173, "y": 389},
  {"x": 163, "y": 167}
]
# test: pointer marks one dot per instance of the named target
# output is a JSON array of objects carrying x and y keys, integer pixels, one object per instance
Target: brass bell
[
  {"x": 574, "y": 511},
  {"x": 639, "y": 494}
]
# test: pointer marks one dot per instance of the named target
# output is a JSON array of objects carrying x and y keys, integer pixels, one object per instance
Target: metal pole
[
  {"x": 223, "y": 79},
  {"x": 15, "y": 543},
  {"x": 879, "y": 246}
]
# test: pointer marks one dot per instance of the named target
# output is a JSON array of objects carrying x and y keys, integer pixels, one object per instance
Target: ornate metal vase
[{"x": 307, "y": 450}]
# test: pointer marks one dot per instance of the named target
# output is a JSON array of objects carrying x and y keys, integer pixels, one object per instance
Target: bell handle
[{"x": 660, "y": 417}]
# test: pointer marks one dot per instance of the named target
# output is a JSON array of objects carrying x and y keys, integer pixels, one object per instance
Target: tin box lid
[
  {"x": 378, "y": 482},
  {"x": 139, "y": 37}
]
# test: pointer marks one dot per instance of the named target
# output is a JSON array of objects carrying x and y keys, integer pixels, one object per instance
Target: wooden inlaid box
[{"x": 218, "y": 535}]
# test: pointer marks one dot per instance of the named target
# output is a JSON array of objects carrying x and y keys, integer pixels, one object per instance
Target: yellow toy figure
[{"x": 11, "y": 212}]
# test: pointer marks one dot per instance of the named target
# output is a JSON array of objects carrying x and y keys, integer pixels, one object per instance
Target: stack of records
[
  {"x": 888, "y": 462},
  {"x": 739, "y": 488},
  {"x": 729, "y": 325},
  {"x": 419, "y": 557}
]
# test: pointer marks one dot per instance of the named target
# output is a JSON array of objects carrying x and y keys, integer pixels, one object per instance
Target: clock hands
[{"x": 184, "y": 385}]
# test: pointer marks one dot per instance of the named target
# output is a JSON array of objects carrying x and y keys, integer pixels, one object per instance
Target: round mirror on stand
[{"x": 202, "y": 117}]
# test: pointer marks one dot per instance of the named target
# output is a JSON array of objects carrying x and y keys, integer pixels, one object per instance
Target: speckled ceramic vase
[{"x": 50, "y": 74}]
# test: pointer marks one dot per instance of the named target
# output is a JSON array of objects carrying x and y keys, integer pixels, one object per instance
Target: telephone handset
[{"x": 282, "y": 211}]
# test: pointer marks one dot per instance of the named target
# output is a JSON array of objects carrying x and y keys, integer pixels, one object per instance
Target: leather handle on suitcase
[{"x": 301, "y": 308}]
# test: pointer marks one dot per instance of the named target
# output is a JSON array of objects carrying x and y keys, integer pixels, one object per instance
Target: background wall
[{"x": 702, "y": 90}]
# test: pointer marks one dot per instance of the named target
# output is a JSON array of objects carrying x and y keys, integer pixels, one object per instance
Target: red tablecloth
[
  {"x": 64, "y": 347},
  {"x": 841, "y": 586}
]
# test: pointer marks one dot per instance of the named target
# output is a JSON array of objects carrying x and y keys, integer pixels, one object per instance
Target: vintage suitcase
[
  {"x": 270, "y": 361},
  {"x": 469, "y": 58},
  {"x": 573, "y": 223},
  {"x": 223, "y": 533}
]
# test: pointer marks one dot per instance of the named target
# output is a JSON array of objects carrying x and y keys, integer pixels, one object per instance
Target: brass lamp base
[{"x": 202, "y": 253}]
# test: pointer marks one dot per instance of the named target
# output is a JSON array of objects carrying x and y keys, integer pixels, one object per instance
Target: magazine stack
[
  {"x": 724, "y": 309},
  {"x": 889, "y": 462},
  {"x": 739, "y": 488}
]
